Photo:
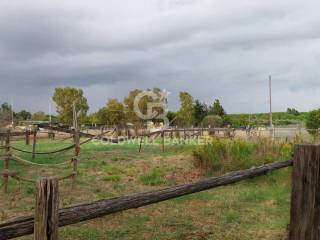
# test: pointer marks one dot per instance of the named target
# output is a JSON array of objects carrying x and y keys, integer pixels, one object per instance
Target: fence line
[
  {"x": 26, "y": 162},
  {"x": 82, "y": 212}
]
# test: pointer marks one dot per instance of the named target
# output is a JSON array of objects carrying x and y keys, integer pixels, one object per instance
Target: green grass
[
  {"x": 153, "y": 178},
  {"x": 253, "y": 209}
]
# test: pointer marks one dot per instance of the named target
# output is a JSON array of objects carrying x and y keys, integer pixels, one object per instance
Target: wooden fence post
[
  {"x": 162, "y": 135},
  {"x": 305, "y": 198},
  {"x": 27, "y": 137},
  {"x": 6, "y": 163},
  {"x": 34, "y": 144},
  {"x": 76, "y": 157},
  {"x": 46, "y": 218}
]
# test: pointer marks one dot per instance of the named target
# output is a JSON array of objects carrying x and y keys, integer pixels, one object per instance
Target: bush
[
  {"x": 313, "y": 121},
  {"x": 212, "y": 121},
  {"x": 223, "y": 155}
]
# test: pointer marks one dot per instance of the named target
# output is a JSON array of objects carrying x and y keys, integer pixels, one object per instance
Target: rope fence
[{"x": 9, "y": 156}]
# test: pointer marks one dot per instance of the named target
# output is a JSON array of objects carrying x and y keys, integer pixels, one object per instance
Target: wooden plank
[
  {"x": 46, "y": 218},
  {"x": 14, "y": 134},
  {"x": 305, "y": 198},
  {"x": 86, "y": 211}
]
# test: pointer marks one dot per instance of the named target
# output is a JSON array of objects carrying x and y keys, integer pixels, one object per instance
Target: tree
[
  {"x": 5, "y": 107},
  {"x": 114, "y": 112},
  {"x": 200, "y": 111},
  {"x": 143, "y": 105},
  {"x": 186, "y": 112},
  {"x": 24, "y": 115},
  {"x": 64, "y": 99},
  {"x": 129, "y": 106},
  {"x": 100, "y": 116},
  {"x": 313, "y": 121},
  {"x": 40, "y": 116},
  {"x": 5, "y": 114},
  {"x": 217, "y": 109},
  {"x": 212, "y": 121},
  {"x": 171, "y": 116},
  {"x": 293, "y": 111}
]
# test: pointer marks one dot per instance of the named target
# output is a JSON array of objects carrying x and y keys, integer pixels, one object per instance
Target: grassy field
[{"x": 252, "y": 209}]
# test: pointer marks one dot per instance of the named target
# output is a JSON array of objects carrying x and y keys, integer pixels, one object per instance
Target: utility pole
[{"x": 270, "y": 102}]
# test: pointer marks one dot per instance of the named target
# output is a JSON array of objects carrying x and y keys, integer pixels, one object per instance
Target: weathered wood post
[
  {"x": 46, "y": 217},
  {"x": 129, "y": 134},
  {"x": 101, "y": 132},
  {"x": 140, "y": 147},
  {"x": 27, "y": 137},
  {"x": 76, "y": 157},
  {"x": 162, "y": 135},
  {"x": 34, "y": 144},
  {"x": 305, "y": 198},
  {"x": 6, "y": 163}
]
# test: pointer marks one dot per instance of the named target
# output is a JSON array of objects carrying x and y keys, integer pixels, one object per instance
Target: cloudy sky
[{"x": 210, "y": 48}]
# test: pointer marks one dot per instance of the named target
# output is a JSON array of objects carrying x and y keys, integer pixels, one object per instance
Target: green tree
[
  {"x": 200, "y": 111},
  {"x": 313, "y": 121},
  {"x": 212, "y": 121},
  {"x": 64, "y": 99},
  {"x": 171, "y": 116},
  {"x": 5, "y": 114},
  {"x": 5, "y": 107},
  {"x": 143, "y": 105},
  {"x": 217, "y": 109},
  {"x": 24, "y": 115},
  {"x": 186, "y": 112},
  {"x": 40, "y": 116},
  {"x": 115, "y": 112},
  {"x": 293, "y": 111},
  {"x": 129, "y": 106}
]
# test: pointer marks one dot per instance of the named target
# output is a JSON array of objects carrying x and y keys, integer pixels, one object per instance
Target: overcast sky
[{"x": 212, "y": 49}]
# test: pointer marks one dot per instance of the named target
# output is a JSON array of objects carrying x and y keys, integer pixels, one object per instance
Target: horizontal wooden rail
[
  {"x": 15, "y": 134},
  {"x": 82, "y": 212}
]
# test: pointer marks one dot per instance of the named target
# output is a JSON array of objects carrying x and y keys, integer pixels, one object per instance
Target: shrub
[
  {"x": 223, "y": 155},
  {"x": 212, "y": 121},
  {"x": 313, "y": 121}
]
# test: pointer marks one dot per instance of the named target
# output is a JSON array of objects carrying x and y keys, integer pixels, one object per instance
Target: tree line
[
  {"x": 192, "y": 112},
  {"x": 120, "y": 112}
]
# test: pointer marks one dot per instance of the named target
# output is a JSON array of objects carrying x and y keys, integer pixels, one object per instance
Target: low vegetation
[
  {"x": 222, "y": 155},
  {"x": 253, "y": 209}
]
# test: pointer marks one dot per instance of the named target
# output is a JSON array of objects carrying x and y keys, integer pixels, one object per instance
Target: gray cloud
[{"x": 213, "y": 49}]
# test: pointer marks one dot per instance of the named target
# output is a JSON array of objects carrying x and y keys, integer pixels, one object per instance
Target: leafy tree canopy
[
  {"x": 293, "y": 111},
  {"x": 64, "y": 99},
  {"x": 200, "y": 111},
  {"x": 186, "y": 112},
  {"x": 115, "y": 112},
  {"x": 217, "y": 109},
  {"x": 313, "y": 121}
]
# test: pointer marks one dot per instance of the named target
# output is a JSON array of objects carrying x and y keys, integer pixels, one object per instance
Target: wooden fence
[{"x": 305, "y": 204}]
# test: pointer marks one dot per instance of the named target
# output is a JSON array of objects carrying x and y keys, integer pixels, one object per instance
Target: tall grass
[{"x": 222, "y": 155}]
